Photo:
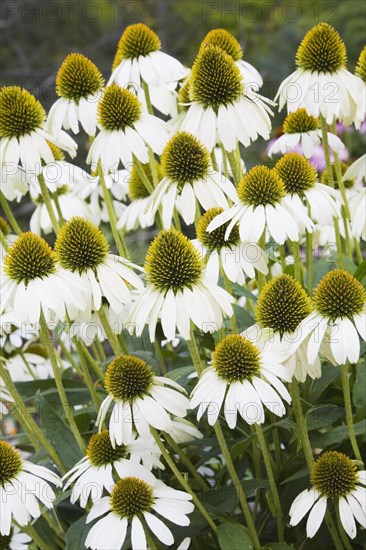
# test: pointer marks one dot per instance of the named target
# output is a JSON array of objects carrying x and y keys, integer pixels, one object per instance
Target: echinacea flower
[
  {"x": 96, "y": 471},
  {"x": 134, "y": 215},
  {"x": 334, "y": 478},
  {"x": 339, "y": 317},
  {"x": 188, "y": 179},
  {"x": 22, "y": 485},
  {"x": 125, "y": 131},
  {"x": 360, "y": 71},
  {"x": 322, "y": 84},
  {"x": 15, "y": 540},
  {"x": 82, "y": 249},
  {"x": 358, "y": 214},
  {"x": 131, "y": 500},
  {"x": 32, "y": 282},
  {"x": 79, "y": 84},
  {"x": 242, "y": 378},
  {"x": 178, "y": 290},
  {"x": 141, "y": 399},
  {"x": 237, "y": 259},
  {"x": 302, "y": 129},
  {"x": 22, "y": 133},
  {"x": 261, "y": 206},
  {"x": 222, "y": 107}
]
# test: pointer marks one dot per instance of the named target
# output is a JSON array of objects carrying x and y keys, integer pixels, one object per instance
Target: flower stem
[
  {"x": 45, "y": 338},
  {"x": 310, "y": 259},
  {"x": 348, "y": 410},
  {"x": 341, "y": 530},
  {"x": 181, "y": 479},
  {"x": 301, "y": 423},
  {"x": 195, "y": 354},
  {"x": 272, "y": 481},
  {"x": 160, "y": 358},
  {"x": 229, "y": 289},
  {"x": 235, "y": 166},
  {"x": 86, "y": 375},
  {"x": 93, "y": 363},
  {"x": 115, "y": 344},
  {"x": 48, "y": 203},
  {"x": 261, "y": 277},
  {"x": 9, "y": 214},
  {"x": 186, "y": 461},
  {"x": 239, "y": 489},
  {"x": 297, "y": 260},
  {"x": 152, "y": 160}
]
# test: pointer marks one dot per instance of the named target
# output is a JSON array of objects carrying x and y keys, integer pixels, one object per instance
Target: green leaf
[
  {"x": 359, "y": 393},
  {"x": 329, "y": 374},
  {"x": 337, "y": 435},
  {"x": 323, "y": 415},
  {"x": 76, "y": 535},
  {"x": 242, "y": 291},
  {"x": 277, "y": 546},
  {"x": 360, "y": 272},
  {"x": 233, "y": 536}
]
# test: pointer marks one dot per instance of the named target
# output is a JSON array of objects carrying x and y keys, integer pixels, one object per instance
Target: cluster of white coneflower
[{"x": 181, "y": 364}]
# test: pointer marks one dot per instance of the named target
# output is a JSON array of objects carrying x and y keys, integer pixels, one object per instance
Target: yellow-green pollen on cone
[
  {"x": 223, "y": 40},
  {"x": 80, "y": 245},
  {"x": 299, "y": 122},
  {"x": 261, "y": 186},
  {"x": 348, "y": 183},
  {"x": 184, "y": 95},
  {"x": 118, "y": 108},
  {"x": 236, "y": 359},
  {"x": 216, "y": 239},
  {"x": 297, "y": 173},
  {"x": 215, "y": 79},
  {"x": 58, "y": 155},
  {"x": 334, "y": 475},
  {"x": 136, "y": 187},
  {"x": 78, "y": 78},
  {"x": 131, "y": 497},
  {"x": 4, "y": 227},
  {"x": 185, "y": 159},
  {"x": 128, "y": 378},
  {"x": 322, "y": 50},
  {"x": 172, "y": 262},
  {"x": 282, "y": 305},
  {"x": 20, "y": 112},
  {"x": 100, "y": 451},
  {"x": 137, "y": 40},
  {"x": 10, "y": 463},
  {"x": 361, "y": 65},
  {"x": 29, "y": 258},
  {"x": 339, "y": 295}
]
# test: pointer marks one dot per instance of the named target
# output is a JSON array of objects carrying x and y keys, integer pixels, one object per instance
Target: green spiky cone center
[
  {"x": 297, "y": 173},
  {"x": 215, "y": 79},
  {"x": 29, "y": 258},
  {"x": 334, "y": 475},
  {"x": 185, "y": 159},
  {"x": 80, "y": 245},
  {"x": 118, "y": 108},
  {"x": 223, "y": 40},
  {"x": 236, "y": 359},
  {"x": 339, "y": 295},
  {"x": 216, "y": 239},
  {"x": 130, "y": 497},
  {"x": 78, "y": 78},
  {"x": 137, "y": 40},
  {"x": 101, "y": 452},
  {"x": 20, "y": 112},
  {"x": 4, "y": 227},
  {"x": 361, "y": 66},
  {"x": 299, "y": 122},
  {"x": 172, "y": 262},
  {"x": 282, "y": 304},
  {"x": 10, "y": 463},
  {"x": 322, "y": 50},
  {"x": 128, "y": 378},
  {"x": 261, "y": 186},
  {"x": 136, "y": 186}
]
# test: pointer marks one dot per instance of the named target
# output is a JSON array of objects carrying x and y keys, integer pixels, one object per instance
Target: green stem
[
  {"x": 261, "y": 279},
  {"x": 160, "y": 357},
  {"x": 58, "y": 208},
  {"x": 69, "y": 413},
  {"x": 9, "y": 214},
  {"x": 348, "y": 410},
  {"x": 238, "y": 487},
  {"x": 149, "y": 539},
  {"x": 186, "y": 461},
  {"x": 48, "y": 203},
  {"x": 301, "y": 423},
  {"x": 214, "y": 160},
  {"x": 272, "y": 481},
  {"x": 70, "y": 358},
  {"x": 100, "y": 349},
  {"x": 235, "y": 167},
  {"x": 195, "y": 354},
  {"x": 229, "y": 289},
  {"x": 145, "y": 180},
  {"x": 297, "y": 260},
  {"x": 281, "y": 249},
  {"x": 181, "y": 479},
  {"x": 30, "y": 530},
  {"x": 152, "y": 160},
  {"x": 93, "y": 363},
  {"x": 86, "y": 375},
  {"x": 115, "y": 344},
  {"x": 310, "y": 259},
  {"x": 341, "y": 530}
]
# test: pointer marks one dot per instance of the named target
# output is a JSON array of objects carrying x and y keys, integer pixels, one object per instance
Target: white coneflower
[
  {"x": 79, "y": 85},
  {"x": 140, "y": 399},
  {"x": 302, "y": 129},
  {"x": 222, "y": 107},
  {"x": 125, "y": 131},
  {"x": 322, "y": 84},
  {"x": 339, "y": 317},
  {"x": 188, "y": 177},
  {"x": 22, "y": 133},
  {"x": 360, "y": 71},
  {"x": 358, "y": 215},
  {"x": 334, "y": 477},
  {"x": 9, "y": 237},
  {"x": 262, "y": 206},
  {"x": 227, "y": 42},
  {"x": 89, "y": 329},
  {"x": 96, "y": 471},
  {"x": 22, "y": 485},
  {"x": 178, "y": 291},
  {"x": 133, "y": 499},
  {"x": 82, "y": 249},
  {"x": 281, "y": 306},
  {"x": 32, "y": 282},
  {"x": 183, "y": 431},
  {"x": 30, "y": 365},
  {"x": 237, "y": 259},
  {"x": 356, "y": 171},
  {"x": 304, "y": 190},
  {"x": 134, "y": 215},
  {"x": 15, "y": 540},
  {"x": 14, "y": 181},
  {"x": 240, "y": 380}
]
